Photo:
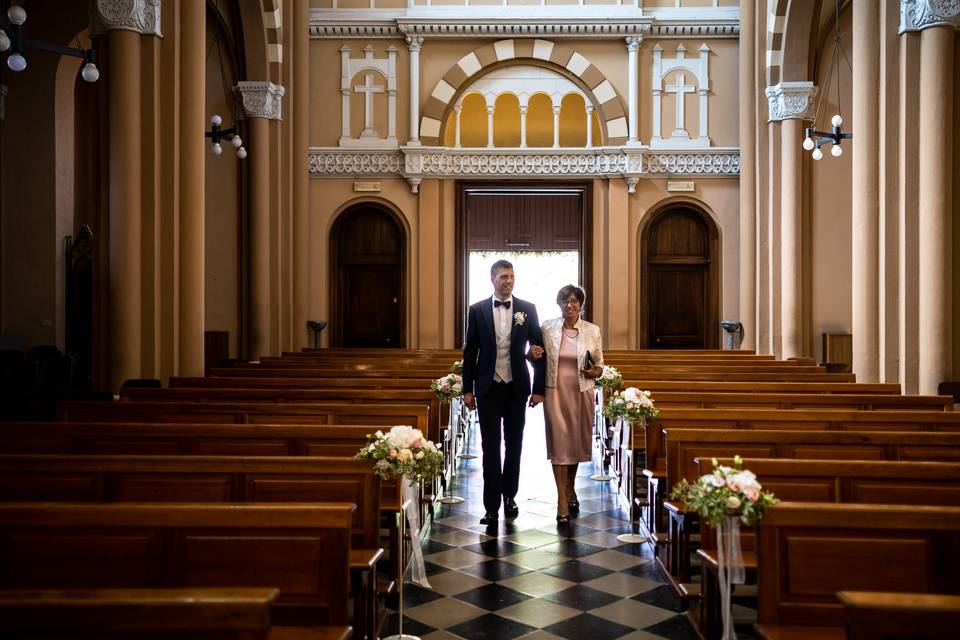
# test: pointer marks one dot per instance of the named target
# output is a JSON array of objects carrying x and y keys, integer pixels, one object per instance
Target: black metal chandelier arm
[{"x": 56, "y": 48}]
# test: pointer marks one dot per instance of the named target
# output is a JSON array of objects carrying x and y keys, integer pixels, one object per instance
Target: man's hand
[
  {"x": 535, "y": 399},
  {"x": 469, "y": 401},
  {"x": 536, "y": 352}
]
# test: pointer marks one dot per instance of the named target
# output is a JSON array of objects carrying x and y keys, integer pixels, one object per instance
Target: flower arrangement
[
  {"x": 457, "y": 367},
  {"x": 728, "y": 491},
  {"x": 631, "y": 404},
  {"x": 447, "y": 387},
  {"x": 403, "y": 451},
  {"x": 610, "y": 379}
]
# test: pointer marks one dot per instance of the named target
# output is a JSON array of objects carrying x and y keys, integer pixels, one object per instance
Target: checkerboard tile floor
[{"x": 527, "y": 578}]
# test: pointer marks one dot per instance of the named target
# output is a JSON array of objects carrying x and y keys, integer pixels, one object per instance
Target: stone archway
[{"x": 606, "y": 101}]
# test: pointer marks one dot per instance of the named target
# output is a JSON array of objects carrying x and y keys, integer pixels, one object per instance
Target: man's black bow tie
[{"x": 501, "y": 303}]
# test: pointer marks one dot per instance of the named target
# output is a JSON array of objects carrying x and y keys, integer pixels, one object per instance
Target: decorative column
[
  {"x": 344, "y": 94},
  {"x": 523, "y": 121},
  {"x": 413, "y": 44},
  {"x": 556, "y": 126},
  {"x": 458, "y": 109},
  {"x": 589, "y": 112},
  {"x": 789, "y": 102},
  {"x": 937, "y": 22},
  {"x": 865, "y": 289},
  {"x": 301, "y": 172},
  {"x": 748, "y": 175},
  {"x": 124, "y": 22},
  {"x": 192, "y": 212},
  {"x": 633, "y": 46},
  {"x": 490, "y": 108},
  {"x": 261, "y": 103}
]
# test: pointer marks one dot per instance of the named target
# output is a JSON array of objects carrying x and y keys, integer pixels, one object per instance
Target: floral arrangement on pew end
[
  {"x": 447, "y": 387},
  {"x": 457, "y": 367},
  {"x": 631, "y": 404},
  {"x": 610, "y": 379},
  {"x": 727, "y": 492},
  {"x": 403, "y": 451}
]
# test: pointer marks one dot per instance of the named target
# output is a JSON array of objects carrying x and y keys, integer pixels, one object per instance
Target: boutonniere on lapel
[{"x": 519, "y": 318}]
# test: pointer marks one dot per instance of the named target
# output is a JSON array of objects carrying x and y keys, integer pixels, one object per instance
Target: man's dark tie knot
[{"x": 501, "y": 303}]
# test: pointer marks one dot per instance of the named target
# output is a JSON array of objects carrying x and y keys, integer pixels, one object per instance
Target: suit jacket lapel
[{"x": 487, "y": 312}]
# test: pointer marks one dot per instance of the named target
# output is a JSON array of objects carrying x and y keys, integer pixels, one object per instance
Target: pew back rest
[
  {"x": 216, "y": 479},
  {"x": 302, "y": 550},
  {"x": 807, "y": 552}
]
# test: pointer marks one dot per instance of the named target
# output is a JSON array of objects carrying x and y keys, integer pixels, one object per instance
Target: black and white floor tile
[{"x": 528, "y": 578}]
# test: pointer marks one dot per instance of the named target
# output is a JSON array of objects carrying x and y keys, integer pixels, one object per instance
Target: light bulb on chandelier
[{"x": 813, "y": 139}]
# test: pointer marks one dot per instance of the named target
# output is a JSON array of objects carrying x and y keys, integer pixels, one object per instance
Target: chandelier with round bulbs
[
  {"x": 812, "y": 138},
  {"x": 14, "y": 42}
]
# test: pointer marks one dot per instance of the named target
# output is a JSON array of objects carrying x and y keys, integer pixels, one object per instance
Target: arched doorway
[
  {"x": 367, "y": 248},
  {"x": 679, "y": 280}
]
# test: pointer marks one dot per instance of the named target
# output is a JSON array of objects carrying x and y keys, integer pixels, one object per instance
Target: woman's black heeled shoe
[
  {"x": 574, "y": 506},
  {"x": 563, "y": 519}
]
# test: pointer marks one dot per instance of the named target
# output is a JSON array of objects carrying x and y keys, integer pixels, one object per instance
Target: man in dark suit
[{"x": 496, "y": 382}]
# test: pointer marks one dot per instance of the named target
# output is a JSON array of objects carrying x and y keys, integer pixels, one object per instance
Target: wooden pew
[
  {"x": 836, "y": 481},
  {"x": 237, "y": 382},
  {"x": 302, "y": 550},
  {"x": 807, "y": 552},
  {"x": 817, "y": 401},
  {"x": 124, "y": 614},
  {"x": 671, "y": 527},
  {"x": 248, "y": 412},
  {"x": 216, "y": 479},
  {"x": 885, "y": 615}
]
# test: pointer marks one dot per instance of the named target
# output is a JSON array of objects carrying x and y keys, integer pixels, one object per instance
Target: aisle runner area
[{"x": 528, "y": 578}]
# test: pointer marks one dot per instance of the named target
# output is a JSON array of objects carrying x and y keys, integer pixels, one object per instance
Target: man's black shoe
[
  {"x": 510, "y": 508},
  {"x": 490, "y": 518}
]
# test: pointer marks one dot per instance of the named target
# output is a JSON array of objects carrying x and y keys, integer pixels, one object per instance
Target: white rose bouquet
[
  {"x": 610, "y": 379},
  {"x": 447, "y": 387},
  {"x": 728, "y": 491},
  {"x": 631, "y": 404},
  {"x": 457, "y": 367},
  {"x": 403, "y": 451}
]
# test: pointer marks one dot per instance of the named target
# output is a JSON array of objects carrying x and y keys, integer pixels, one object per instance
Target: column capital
[
  {"x": 791, "y": 100},
  {"x": 142, "y": 16},
  {"x": 260, "y": 99},
  {"x": 414, "y": 43},
  {"x": 917, "y": 15},
  {"x": 633, "y": 43}
]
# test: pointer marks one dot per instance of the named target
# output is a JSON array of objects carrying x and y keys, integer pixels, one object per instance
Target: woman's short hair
[{"x": 564, "y": 294}]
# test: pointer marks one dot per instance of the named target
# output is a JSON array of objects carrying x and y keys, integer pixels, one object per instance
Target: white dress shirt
[{"x": 503, "y": 325}]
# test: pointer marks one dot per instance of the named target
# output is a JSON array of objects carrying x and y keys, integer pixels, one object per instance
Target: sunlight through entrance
[{"x": 540, "y": 274}]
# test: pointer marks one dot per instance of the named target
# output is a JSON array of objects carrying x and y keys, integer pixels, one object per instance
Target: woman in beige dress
[{"x": 568, "y": 407}]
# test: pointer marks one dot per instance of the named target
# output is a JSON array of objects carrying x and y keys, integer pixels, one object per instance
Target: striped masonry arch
[
  {"x": 607, "y": 103},
  {"x": 273, "y": 25},
  {"x": 776, "y": 21}
]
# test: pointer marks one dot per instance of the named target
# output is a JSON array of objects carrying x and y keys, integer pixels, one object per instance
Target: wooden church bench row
[
  {"x": 227, "y": 613},
  {"x": 249, "y": 413},
  {"x": 216, "y": 479},
  {"x": 835, "y": 481},
  {"x": 686, "y": 447},
  {"x": 885, "y": 614},
  {"x": 302, "y": 550},
  {"x": 807, "y": 552},
  {"x": 814, "y": 401}
]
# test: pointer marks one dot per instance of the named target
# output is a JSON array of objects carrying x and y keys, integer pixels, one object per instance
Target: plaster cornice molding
[
  {"x": 417, "y": 163},
  {"x": 790, "y": 100},
  {"x": 917, "y": 15},
  {"x": 260, "y": 99},
  {"x": 142, "y": 16},
  {"x": 556, "y": 22}
]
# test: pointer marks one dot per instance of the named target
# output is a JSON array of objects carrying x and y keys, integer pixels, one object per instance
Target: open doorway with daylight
[{"x": 543, "y": 230}]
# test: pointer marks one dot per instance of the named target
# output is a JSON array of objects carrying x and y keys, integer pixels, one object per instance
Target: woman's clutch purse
[{"x": 587, "y": 361}]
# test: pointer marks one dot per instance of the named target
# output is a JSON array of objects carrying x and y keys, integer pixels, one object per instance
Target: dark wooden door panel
[
  {"x": 678, "y": 314},
  {"x": 367, "y": 269},
  {"x": 679, "y": 281},
  {"x": 371, "y": 313}
]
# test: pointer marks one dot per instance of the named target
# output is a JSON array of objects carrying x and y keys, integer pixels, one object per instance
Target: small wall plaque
[
  {"x": 366, "y": 186},
  {"x": 680, "y": 185}
]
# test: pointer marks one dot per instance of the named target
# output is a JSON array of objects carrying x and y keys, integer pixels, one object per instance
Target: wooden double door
[
  {"x": 368, "y": 267},
  {"x": 679, "y": 281}
]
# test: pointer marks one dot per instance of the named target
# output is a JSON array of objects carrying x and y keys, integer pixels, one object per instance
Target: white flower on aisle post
[{"x": 519, "y": 318}]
